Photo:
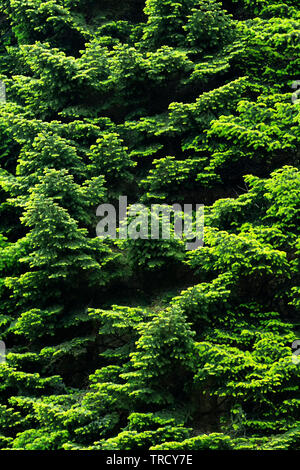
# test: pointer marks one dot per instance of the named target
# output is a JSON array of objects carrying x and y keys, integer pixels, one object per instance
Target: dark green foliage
[{"x": 140, "y": 344}]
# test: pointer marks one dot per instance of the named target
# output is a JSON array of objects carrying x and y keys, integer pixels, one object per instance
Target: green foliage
[
  {"x": 139, "y": 344},
  {"x": 208, "y": 26}
]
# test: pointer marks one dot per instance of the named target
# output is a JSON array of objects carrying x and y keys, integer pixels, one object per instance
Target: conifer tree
[{"x": 141, "y": 344}]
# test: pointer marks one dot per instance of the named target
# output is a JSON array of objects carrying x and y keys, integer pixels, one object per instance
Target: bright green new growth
[{"x": 139, "y": 344}]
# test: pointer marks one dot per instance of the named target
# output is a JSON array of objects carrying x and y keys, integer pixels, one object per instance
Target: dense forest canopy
[{"x": 142, "y": 344}]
